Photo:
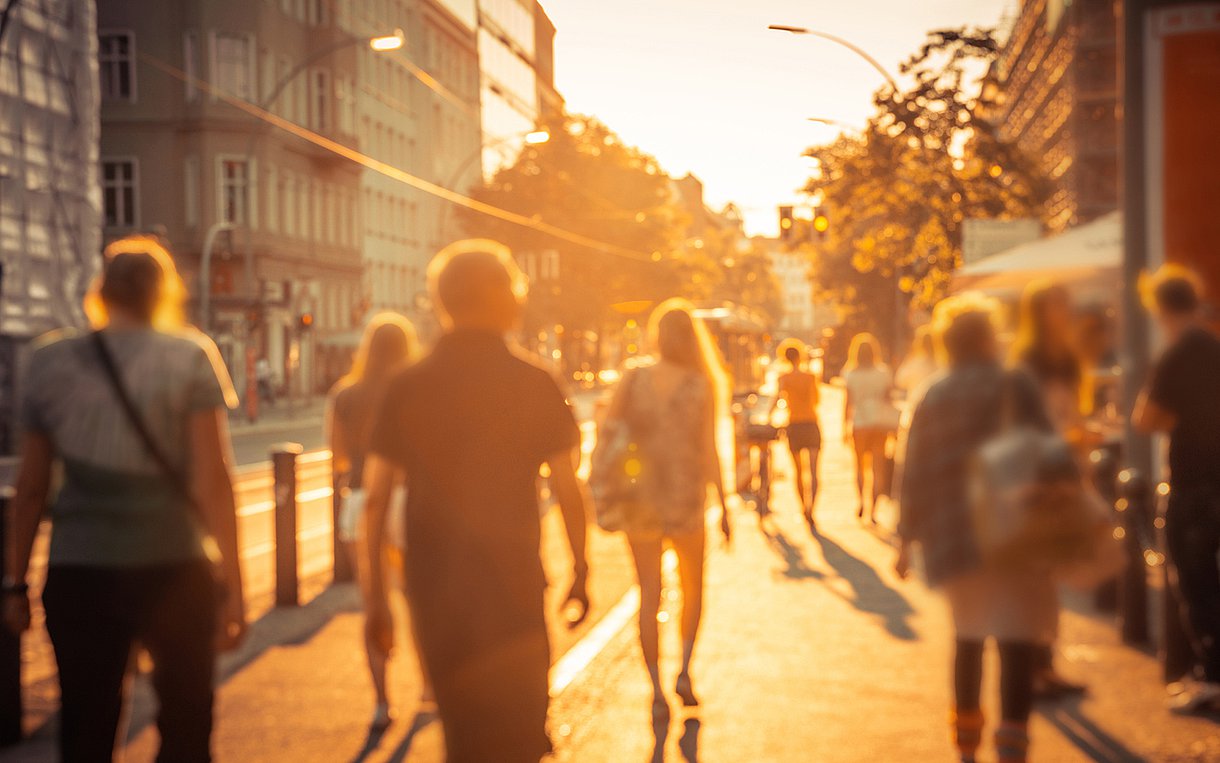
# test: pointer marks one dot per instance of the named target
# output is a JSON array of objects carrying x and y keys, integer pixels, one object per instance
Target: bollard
[
  {"x": 284, "y": 467},
  {"x": 1134, "y": 504},
  {"x": 10, "y": 649},
  {"x": 1104, "y": 473}
]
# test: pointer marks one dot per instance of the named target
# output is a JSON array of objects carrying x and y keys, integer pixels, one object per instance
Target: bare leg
[
  {"x": 377, "y": 659},
  {"x": 647, "y": 555},
  {"x": 690, "y": 551},
  {"x": 860, "y": 446},
  {"x": 798, "y": 468}
]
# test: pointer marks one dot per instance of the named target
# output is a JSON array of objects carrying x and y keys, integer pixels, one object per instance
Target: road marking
[{"x": 574, "y": 661}]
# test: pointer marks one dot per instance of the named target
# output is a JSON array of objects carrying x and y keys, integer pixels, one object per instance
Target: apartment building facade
[
  {"x": 281, "y": 278},
  {"x": 50, "y": 198},
  {"x": 1058, "y": 82}
]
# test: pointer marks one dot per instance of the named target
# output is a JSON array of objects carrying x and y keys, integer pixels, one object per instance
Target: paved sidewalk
[{"x": 813, "y": 650}]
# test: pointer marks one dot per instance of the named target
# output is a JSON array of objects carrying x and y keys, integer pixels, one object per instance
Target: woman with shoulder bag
[
  {"x": 388, "y": 343},
  {"x": 1014, "y": 603},
  {"x": 144, "y": 531},
  {"x": 671, "y": 408}
]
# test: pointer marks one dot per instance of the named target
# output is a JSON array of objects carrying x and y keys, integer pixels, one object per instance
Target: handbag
[
  {"x": 1029, "y": 503},
  {"x": 616, "y": 467},
  {"x": 145, "y": 435}
]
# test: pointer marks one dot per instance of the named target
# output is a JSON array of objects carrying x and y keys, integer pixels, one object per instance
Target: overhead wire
[{"x": 390, "y": 171}]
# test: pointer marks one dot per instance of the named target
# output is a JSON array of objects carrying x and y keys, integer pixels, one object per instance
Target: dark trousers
[
  {"x": 95, "y": 617},
  {"x": 1018, "y": 661},
  {"x": 1192, "y": 535}
]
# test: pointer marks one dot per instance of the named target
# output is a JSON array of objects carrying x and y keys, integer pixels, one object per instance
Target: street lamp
[
  {"x": 839, "y": 41},
  {"x": 535, "y": 137}
]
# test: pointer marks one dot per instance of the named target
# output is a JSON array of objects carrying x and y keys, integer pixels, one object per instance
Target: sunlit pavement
[{"x": 811, "y": 651}]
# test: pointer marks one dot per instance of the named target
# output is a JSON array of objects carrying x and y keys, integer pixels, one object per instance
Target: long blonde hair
[
  {"x": 389, "y": 340},
  {"x": 138, "y": 277},
  {"x": 681, "y": 337},
  {"x": 858, "y": 344}
]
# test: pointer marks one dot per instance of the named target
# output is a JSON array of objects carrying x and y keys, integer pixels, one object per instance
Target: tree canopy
[{"x": 898, "y": 192}]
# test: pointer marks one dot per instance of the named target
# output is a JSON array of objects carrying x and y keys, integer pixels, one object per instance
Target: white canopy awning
[{"x": 1087, "y": 254}]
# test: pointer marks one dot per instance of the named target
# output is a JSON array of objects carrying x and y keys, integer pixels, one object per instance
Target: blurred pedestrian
[
  {"x": 798, "y": 389},
  {"x": 918, "y": 366},
  {"x": 1015, "y": 604},
  {"x": 1182, "y": 399},
  {"x": 869, "y": 417},
  {"x": 468, "y": 428},
  {"x": 144, "y": 530},
  {"x": 1045, "y": 349},
  {"x": 265, "y": 380},
  {"x": 671, "y": 403},
  {"x": 389, "y": 342}
]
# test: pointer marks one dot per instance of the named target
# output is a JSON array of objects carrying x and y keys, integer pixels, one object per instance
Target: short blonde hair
[
  {"x": 1173, "y": 288},
  {"x": 966, "y": 325},
  {"x": 475, "y": 274},
  {"x": 139, "y": 277}
]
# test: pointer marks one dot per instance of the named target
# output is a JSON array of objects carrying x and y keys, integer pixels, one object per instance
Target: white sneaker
[{"x": 1195, "y": 699}]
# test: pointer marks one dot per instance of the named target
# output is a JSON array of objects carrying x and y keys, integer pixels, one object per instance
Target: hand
[
  {"x": 379, "y": 625},
  {"x": 726, "y": 526},
  {"x": 17, "y": 611},
  {"x": 576, "y": 606},
  {"x": 847, "y": 435},
  {"x": 232, "y": 626},
  {"x": 902, "y": 565}
]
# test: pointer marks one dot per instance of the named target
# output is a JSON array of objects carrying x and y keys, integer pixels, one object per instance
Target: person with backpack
[
  {"x": 670, "y": 404},
  {"x": 144, "y": 531}
]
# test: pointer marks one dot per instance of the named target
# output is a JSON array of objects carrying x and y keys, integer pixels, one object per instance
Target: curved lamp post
[
  {"x": 381, "y": 44},
  {"x": 861, "y": 52},
  {"x": 532, "y": 138}
]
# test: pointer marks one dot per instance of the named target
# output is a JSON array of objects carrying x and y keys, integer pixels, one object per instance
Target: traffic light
[
  {"x": 787, "y": 223},
  {"x": 305, "y": 321},
  {"x": 821, "y": 224}
]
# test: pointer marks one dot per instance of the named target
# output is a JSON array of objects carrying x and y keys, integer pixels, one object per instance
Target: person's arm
[
  {"x": 912, "y": 464},
  {"x": 212, "y": 489},
  {"x": 378, "y": 482},
  {"x": 570, "y": 493},
  {"x": 849, "y": 409},
  {"x": 25, "y": 512},
  {"x": 1149, "y": 417},
  {"x": 713, "y": 466},
  {"x": 337, "y": 438}
]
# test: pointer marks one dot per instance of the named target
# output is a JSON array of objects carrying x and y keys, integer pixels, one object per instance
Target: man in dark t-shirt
[
  {"x": 468, "y": 428},
  {"x": 1183, "y": 400}
]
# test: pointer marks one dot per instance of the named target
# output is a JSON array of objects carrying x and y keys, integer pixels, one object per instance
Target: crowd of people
[{"x": 437, "y": 456}]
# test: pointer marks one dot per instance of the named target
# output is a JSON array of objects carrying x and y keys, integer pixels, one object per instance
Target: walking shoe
[
  {"x": 1012, "y": 742},
  {"x": 1199, "y": 698},
  {"x": 967, "y": 733}
]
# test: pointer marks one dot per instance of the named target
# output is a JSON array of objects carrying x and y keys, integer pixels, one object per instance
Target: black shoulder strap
[{"x": 137, "y": 421}]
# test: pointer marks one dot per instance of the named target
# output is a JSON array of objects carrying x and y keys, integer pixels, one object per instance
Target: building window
[
  {"x": 116, "y": 65},
  {"x": 320, "y": 116},
  {"x": 234, "y": 185},
  {"x": 190, "y": 65},
  {"x": 190, "y": 190},
  {"x": 119, "y": 192},
  {"x": 233, "y": 65}
]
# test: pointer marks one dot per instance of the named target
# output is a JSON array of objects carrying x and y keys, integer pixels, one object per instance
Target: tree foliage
[{"x": 898, "y": 193}]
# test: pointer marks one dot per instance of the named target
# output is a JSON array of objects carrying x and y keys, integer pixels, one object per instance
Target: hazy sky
[{"x": 705, "y": 87}]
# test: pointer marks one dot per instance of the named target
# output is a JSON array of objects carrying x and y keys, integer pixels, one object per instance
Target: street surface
[{"x": 811, "y": 650}]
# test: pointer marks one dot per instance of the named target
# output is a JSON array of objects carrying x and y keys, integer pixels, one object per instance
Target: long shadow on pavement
[
  {"x": 796, "y": 568},
  {"x": 871, "y": 594},
  {"x": 1091, "y": 740},
  {"x": 422, "y": 721}
]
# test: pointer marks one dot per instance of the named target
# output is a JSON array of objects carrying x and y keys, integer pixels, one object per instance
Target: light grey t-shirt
[{"x": 116, "y": 508}]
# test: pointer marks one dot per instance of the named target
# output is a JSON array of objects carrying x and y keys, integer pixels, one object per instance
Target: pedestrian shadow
[
  {"x": 870, "y": 594},
  {"x": 421, "y": 721},
  {"x": 1095, "y": 743},
  {"x": 795, "y": 566},
  {"x": 688, "y": 743}
]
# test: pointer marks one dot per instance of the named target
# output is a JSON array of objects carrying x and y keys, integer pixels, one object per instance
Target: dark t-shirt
[
  {"x": 471, "y": 425},
  {"x": 1186, "y": 382}
]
